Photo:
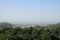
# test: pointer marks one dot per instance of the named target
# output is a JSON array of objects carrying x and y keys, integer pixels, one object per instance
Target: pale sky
[{"x": 45, "y": 11}]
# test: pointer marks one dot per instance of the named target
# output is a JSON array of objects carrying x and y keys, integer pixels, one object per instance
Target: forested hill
[
  {"x": 5, "y": 24},
  {"x": 49, "y": 32}
]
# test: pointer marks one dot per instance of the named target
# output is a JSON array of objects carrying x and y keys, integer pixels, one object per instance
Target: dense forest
[{"x": 49, "y": 32}]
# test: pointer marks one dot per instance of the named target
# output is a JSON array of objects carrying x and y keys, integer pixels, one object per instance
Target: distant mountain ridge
[{"x": 5, "y": 24}]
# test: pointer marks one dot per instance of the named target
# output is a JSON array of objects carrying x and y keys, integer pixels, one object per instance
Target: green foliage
[{"x": 51, "y": 32}]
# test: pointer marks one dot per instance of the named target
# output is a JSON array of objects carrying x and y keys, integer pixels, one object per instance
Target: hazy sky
[{"x": 30, "y": 11}]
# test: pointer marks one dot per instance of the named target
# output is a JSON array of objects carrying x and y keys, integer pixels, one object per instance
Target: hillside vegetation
[{"x": 49, "y": 32}]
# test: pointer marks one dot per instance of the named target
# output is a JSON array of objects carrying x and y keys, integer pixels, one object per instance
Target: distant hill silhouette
[{"x": 5, "y": 24}]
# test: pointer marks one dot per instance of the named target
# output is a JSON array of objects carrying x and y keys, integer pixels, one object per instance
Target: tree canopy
[{"x": 50, "y": 32}]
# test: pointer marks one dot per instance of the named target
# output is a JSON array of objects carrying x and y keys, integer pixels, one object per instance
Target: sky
[{"x": 42, "y": 11}]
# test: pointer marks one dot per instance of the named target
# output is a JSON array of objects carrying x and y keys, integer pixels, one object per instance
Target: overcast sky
[{"x": 45, "y": 11}]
